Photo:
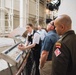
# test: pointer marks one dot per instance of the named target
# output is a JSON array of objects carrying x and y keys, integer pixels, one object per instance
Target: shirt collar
[
  {"x": 67, "y": 33},
  {"x": 52, "y": 31},
  {"x": 30, "y": 33}
]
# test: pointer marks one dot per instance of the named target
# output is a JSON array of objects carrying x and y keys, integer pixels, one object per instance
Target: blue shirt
[{"x": 48, "y": 43}]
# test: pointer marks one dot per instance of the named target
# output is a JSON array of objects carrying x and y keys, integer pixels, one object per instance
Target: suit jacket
[{"x": 64, "y": 55}]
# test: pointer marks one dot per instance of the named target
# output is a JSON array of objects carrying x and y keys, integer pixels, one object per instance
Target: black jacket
[{"x": 64, "y": 55}]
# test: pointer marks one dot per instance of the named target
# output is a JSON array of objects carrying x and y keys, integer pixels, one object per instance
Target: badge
[
  {"x": 57, "y": 52},
  {"x": 58, "y": 45}
]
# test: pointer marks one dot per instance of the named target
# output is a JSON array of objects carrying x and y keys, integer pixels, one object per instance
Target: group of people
[{"x": 53, "y": 55}]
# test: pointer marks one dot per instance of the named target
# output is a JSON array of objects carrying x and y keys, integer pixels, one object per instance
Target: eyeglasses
[{"x": 52, "y": 23}]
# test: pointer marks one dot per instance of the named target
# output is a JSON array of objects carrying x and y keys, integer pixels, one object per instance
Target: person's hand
[{"x": 21, "y": 46}]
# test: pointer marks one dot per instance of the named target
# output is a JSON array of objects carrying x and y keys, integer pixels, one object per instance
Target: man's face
[
  {"x": 29, "y": 29},
  {"x": 58, "y": 28},
  {"x": 50, "y": 27}
]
